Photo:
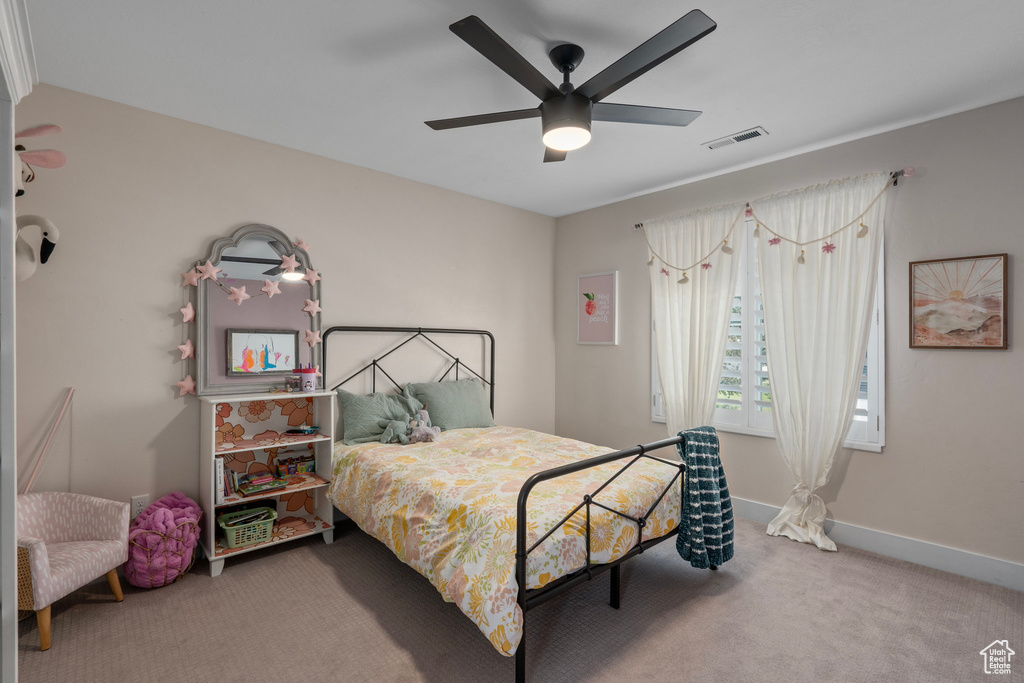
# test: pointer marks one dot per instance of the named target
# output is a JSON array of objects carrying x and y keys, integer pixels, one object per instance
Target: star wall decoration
[
  {"x": 289, "y": 262},
  {"x": 312, "y": 276},
  {"x": 270, "y": 288},
  {"x": 238, "y": 295},
  {"x": 208, "y": 270},
  {"x": 313, "y": 338},
  {"x": 191, "y": 278},
  {"x": 312, "y": 307},
  {"x": 302, "y": 244},
  {"x": 187, "y": 386},
  {"x": 188, "y": 314},
  {"x": 188, "y": 350}
]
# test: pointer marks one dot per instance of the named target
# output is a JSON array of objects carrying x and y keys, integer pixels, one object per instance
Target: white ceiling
[{"x": 354, "y": 81}]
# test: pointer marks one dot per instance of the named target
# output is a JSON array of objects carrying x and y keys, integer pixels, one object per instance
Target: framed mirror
[{"x": 243, "y": 345}]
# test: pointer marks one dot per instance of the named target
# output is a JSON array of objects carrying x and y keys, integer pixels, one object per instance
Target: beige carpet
[{"x": 309, "y": 612}]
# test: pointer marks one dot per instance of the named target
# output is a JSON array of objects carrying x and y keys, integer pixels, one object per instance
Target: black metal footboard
[{"x": 533, "y": 598}]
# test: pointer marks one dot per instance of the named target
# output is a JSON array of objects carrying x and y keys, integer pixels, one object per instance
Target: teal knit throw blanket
[{"x": 706, "y": 530}]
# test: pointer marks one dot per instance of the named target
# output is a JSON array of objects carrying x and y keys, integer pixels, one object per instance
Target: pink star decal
[
  {"x": 312, "y": 307},
  {"x": 318, "y": 373},
  {"x": 312, "y": 276},
  {"x": 209, "y": 271},
  {"x": 238, "y": 295},
  {"x": 828, "y": 247},
  {"x": 289, "y": 262},
  {"x": 664, "y": 272},
  {"x": 191, "y": 278},
  {"x": 312, "y": 338},
  {"x": 188, "y": 314},
  {"x": 188, "y": 350},
  {"x": 270, "y": 288},
  {"x": 705, "y": 266},
  {"x": 302, "y": 244},
  {"x": 775, "y": 241},
  {"x": 187, "y": 386}
]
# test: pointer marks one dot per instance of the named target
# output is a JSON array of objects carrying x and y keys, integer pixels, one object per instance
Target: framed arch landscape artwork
[{"x": 959, "y": 303}]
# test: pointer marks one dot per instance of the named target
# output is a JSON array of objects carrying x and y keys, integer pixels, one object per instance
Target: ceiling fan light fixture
[
  {"x": 292, "y": 277},
  {"x": 567, "y": 136},
  {"x": 566, "y": 122}
]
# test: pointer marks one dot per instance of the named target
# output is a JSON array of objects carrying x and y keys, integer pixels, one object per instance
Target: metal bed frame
[{"x": 529, "y": 599}]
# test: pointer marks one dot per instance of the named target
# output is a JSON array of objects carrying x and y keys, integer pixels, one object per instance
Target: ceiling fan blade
[
  {"x": 497, "y": 117},
  {"x": 488, "y": 43},
  {"x": 633, "y": 113},
  {"x": 684, "y": 32},
  {"x": 553, "y": 155},
  {"x": 274, "y": 271},
  {"x": 248, "y": 259}
]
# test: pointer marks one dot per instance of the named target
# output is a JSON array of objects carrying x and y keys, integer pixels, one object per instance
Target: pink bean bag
[{"x": 162, "y": 541}]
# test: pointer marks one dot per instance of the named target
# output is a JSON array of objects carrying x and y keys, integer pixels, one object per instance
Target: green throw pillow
[
  {"x": 454, "y": 405},
  {"x": 361, "y": 414}
]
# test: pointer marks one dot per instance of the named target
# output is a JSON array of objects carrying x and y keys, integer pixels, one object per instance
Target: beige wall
[
  {"x": 952, "y": 472},
  {"x": 143, "y": 195}
]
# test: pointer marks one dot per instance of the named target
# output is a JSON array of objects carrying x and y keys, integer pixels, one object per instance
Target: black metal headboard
[{"x": 414, "y": 333}]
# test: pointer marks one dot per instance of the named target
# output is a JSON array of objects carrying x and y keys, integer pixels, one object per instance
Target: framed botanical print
[
  {"x": 596, "y": 308},
  {"x": 959, "y": 303}
]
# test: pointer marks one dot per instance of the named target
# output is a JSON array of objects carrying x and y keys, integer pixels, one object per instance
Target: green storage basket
[{"x": 247, "y": 534}]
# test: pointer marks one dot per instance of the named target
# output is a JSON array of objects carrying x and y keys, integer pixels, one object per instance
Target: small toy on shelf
[{"x": 305, "y": 464}]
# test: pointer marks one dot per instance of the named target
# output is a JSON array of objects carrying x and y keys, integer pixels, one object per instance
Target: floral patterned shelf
[
  {"x": 286, "y": 529},
  {"x": 276, "y": 441},
  {"x": 296, "y": 482}
]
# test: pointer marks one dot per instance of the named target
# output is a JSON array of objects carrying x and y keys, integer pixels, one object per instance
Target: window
[{"x": 744, "y": 394}]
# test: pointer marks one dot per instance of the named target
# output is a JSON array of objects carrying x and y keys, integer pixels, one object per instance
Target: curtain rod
[{"x": 908, "y": 172}]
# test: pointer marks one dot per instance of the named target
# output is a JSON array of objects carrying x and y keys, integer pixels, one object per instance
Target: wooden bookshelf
[{"x": 249, "y": 432}]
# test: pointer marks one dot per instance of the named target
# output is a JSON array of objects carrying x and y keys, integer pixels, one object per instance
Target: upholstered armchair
[{"x": 66, "y": 540}]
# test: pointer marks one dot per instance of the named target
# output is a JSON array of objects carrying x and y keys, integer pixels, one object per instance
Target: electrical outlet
[{"x": 139, "y": 504}]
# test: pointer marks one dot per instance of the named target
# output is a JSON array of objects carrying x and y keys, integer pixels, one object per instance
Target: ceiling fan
[{"x": 567, "y": 111}]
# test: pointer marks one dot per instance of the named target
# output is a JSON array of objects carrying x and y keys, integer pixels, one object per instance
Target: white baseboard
[{"x": 953, "y": 560}]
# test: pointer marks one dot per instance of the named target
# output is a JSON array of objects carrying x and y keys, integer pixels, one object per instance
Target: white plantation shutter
[
  {"x": 730, "y": 390},
  {"x": 744, "y": 397},
  {"x": 760, "y": 412}
]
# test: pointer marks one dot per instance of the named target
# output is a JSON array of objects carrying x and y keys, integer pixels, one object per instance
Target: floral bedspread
[{"x": 448, "y": 509}]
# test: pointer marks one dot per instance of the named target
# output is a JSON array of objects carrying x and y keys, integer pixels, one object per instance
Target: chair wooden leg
[
  {"x": 115, "y": 584},
  {"x": 43, "y": 617}
]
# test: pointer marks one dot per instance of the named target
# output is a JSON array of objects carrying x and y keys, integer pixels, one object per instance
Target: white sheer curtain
[
  {"x": 817, "y": 321},
  {"x": 691, "y": 320}
]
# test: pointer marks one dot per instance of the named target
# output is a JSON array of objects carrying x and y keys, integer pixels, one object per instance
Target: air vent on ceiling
[{"x": 749, "y": 134}]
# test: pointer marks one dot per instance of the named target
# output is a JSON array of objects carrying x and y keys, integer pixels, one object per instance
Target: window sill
[{"x": 765, "y": 434}]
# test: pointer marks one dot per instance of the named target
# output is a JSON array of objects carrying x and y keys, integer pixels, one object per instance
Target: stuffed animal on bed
[
  {"x": 395, "y": 430},
  {"x": 421, "y": 429}
]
